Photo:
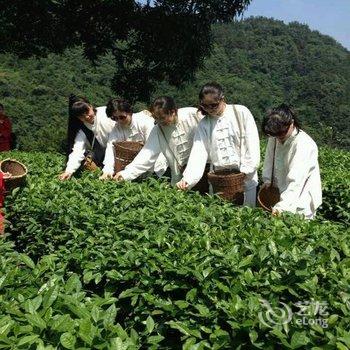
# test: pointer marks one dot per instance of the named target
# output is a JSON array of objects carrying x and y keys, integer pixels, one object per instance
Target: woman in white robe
[
  {"x": 88, "y": 130},
  {"x": 129, "y": 126},
  {"x": 227, "y": 137},
  {"x": 172, "y": 136},
  {"x": 292, "y": 160}
]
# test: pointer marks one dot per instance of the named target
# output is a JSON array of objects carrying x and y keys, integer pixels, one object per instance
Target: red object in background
[
  {"x": 2, "y": 197},
  {"x": 5, "y": 133}
]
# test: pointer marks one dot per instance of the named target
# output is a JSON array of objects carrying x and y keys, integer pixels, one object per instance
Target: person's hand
[
  {"x": 182, "y": 185},
  {"x": 106, "y": 176},
  {"x": 65, "y": 176},
  {"x": 275, "y": 212},
  {"x": 6, "y": 175},
  {"x": 118, "y": 177},
  {"x": 265, "y": 185}
]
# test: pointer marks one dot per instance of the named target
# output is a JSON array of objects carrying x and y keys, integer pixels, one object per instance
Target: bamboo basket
[
  {"x": 17, "y": 170},
  {"x": 268, "y": 197},
  {"x": 125, "y": 152},
  {"x": 228, "y": 184}
]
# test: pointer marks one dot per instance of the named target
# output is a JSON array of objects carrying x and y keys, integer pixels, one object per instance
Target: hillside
[
  {"x": 260, "y": 62},
  {"x": 105, "y": 265}
]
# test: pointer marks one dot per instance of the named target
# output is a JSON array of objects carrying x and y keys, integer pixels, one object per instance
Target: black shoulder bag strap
[
  {"x": 97, "y": 151},
  {"x": 273, "y": 163},
  {"x": 235, "y": 112}
]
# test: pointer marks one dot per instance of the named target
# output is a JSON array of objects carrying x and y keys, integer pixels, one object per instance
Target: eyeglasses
[
  {"x": 209, "y": 105},
  {"x": 161, "y": 116}
]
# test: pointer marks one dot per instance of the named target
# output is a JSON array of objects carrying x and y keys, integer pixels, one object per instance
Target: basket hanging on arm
[
  {"x": 125, "y": 152},
  {"x": 229, "y": 183},
  {"x": 268, "y": 197},
  {"x": 18, "y": 173}
]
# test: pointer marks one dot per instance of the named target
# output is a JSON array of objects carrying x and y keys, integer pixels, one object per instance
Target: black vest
[{"x": 98, "y": 151}]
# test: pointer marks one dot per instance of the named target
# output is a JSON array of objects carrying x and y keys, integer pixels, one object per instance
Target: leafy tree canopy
[{"x": 151, "y": 41}]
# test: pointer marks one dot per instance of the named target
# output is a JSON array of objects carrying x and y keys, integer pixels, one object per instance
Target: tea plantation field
[{"x": 87, "y": 264}]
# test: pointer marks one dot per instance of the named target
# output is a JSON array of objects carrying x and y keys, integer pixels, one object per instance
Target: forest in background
[{"x": 260, "y": 62}]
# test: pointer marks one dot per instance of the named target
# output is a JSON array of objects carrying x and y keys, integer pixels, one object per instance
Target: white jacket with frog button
[
  {"x": 139, "y": 130},
  {"x": 217, "y": 141},
  {"x": 175, "y": 141}
]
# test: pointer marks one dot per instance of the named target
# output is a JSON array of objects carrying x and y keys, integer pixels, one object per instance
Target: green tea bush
[
  {"x": 107, "y": 265},
  {"x": 335, "y": 174},
  {"x": 41, "y": 310}
]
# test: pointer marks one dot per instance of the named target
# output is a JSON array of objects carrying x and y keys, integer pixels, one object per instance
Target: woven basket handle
[
  {"x": 273, "y": 164},
  {"x": 240, "y": 134}
]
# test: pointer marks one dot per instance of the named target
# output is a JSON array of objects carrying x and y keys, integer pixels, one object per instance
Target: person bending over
[
  {"x": 88, "y": 132},
  {"x": 227, "y": 138},
  {"x": 129, "y": 126},
  {"x": 292, "y": 160},
  {"x": 172, "y": 135}
]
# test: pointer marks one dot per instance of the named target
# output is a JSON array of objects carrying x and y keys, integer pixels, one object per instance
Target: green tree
[{"x": 151, "y": 41}]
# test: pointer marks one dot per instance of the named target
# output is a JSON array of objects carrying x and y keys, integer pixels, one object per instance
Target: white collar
[{"x": 90, "y": 126}]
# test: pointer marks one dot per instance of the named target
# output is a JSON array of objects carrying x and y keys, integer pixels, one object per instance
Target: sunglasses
[
  {"x": 209, "y": 105},
  {"x": 119, "y": 117},
  {"x": 161, "y": 117}
]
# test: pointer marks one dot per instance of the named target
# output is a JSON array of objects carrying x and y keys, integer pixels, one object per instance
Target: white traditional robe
[
  {"x": 217, "y": 141},
  {"x": 176, "y": 144},
  {"x": 296, "y": 173},
  {"x": 138, "y": 131},
  {"x": 101, "y": 128}
]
